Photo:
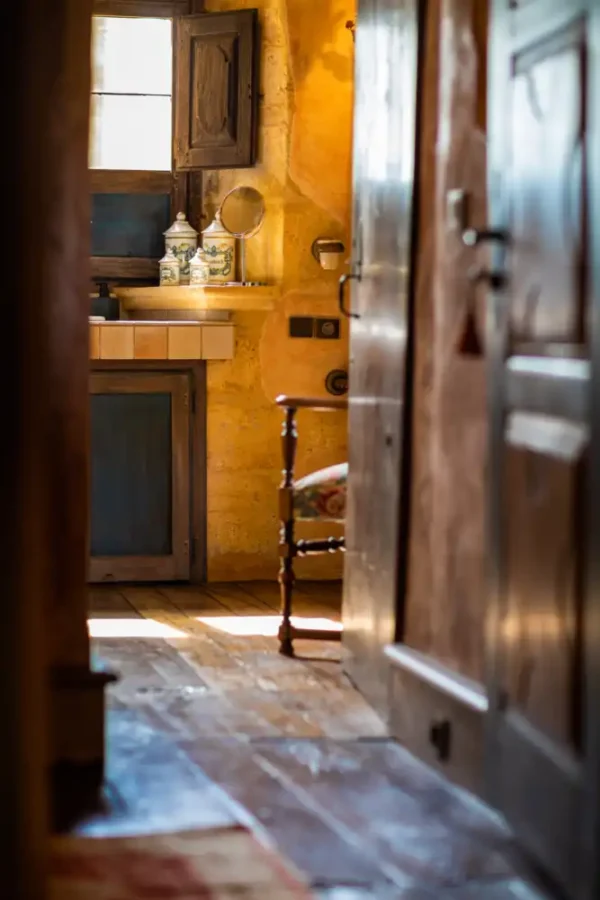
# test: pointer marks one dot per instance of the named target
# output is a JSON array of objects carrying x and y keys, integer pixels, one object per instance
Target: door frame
[
  {"x": 591, "y": 699},
  {"x": 379, "y": 373}
]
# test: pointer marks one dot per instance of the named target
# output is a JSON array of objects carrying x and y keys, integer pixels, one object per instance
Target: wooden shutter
[{"x": 216, "y": 90}]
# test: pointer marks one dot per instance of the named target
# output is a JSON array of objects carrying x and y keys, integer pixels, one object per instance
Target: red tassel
[{"x": 469, "y": 343}]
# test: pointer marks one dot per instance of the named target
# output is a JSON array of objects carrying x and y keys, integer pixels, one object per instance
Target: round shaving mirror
[{"x": 242, "y": 212}]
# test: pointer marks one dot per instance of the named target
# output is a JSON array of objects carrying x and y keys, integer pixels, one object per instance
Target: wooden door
[
  {"x": 140, "y": 484},
  {"x": 384, "y": 157},
  {"x": 542, "y": 751}
]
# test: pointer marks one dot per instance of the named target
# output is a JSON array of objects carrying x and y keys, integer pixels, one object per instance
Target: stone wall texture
[{"x": 304, "y": 174}]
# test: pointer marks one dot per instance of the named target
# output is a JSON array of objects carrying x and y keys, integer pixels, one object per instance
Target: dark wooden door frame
[{"x": 44, "y": 643}]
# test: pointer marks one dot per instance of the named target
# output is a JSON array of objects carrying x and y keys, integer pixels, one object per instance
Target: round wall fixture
[{"x": 336, "y": 382}]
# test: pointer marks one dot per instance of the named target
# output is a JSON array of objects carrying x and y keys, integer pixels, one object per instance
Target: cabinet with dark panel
[{"x": 140, "y": 428}]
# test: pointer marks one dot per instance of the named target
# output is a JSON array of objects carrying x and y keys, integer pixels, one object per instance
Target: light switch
[{"x": 301, "y": 326}]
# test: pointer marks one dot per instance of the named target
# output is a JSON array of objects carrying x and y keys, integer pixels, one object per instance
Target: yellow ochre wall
[{"x": 303, "y": 171}]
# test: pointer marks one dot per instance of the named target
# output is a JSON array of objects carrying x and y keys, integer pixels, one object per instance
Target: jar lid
[
  {"x": 180, "y": 228},
  {"x": 216, "y": 228},
  {"x": 170, "y": 257},
  {"x": 199, "y": 255}
]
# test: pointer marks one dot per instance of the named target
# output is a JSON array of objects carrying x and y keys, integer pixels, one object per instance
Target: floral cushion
[{"x": 322, "y": 494}]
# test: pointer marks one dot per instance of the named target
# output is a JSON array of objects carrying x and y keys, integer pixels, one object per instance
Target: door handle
[
  {"x": 473, "y": 237},
  {"x": 342, "y": 296},
  {"x": 495, "y": 280}
]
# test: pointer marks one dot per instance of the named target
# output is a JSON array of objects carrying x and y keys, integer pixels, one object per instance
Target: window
[{"x": 130, "y": 118}]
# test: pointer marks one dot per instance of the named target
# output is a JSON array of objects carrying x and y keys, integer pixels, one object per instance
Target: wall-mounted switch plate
[
  {"x": 328, "y": 329},
  {"x": 301, "y": 326}
]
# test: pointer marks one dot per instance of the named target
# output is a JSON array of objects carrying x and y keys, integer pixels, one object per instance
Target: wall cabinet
[{"x": 140, "y": 432}]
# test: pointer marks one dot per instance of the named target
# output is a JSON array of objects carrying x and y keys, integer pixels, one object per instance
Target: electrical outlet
[
  {"x": 336, "y": 382},
  {"x": 301, "y": 326},
  {"x": 327, "y": 329}
]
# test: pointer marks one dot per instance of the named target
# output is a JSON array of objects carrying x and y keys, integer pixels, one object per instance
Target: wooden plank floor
[{"x": 208, "y": 726}]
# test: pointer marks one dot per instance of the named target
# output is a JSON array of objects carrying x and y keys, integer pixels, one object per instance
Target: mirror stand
[
  {"x": 242, "y": 211},
  {"x": 242, "y": 241}
]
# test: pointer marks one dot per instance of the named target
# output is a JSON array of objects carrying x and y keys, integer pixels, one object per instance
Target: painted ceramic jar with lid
[
  {"x": 199, "y": 268},
  {"x": 182, "y": 239},
  {"x": 219, "y": 248},
  {"x": 170, "y": 268}
]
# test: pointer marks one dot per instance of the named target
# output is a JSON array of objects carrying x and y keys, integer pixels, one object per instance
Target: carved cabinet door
[{"x": 543, "y": 252}]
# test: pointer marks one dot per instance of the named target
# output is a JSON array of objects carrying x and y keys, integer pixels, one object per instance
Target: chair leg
[
  {"x": 287, "y": 579},
  {"x": 289, "y": 440}
]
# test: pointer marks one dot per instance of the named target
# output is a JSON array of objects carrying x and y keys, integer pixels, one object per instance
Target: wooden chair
[{"x": 320, "y": 496}]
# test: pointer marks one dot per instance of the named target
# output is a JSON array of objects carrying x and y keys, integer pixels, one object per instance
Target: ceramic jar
[
  {"x": 219, "y": 248},
  {"x": 170, "y": 268},
  {"x": 182, "y": 239},
  {"x": 199, "y": 268}
]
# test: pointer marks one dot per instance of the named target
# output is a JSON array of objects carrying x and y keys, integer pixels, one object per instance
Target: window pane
[
  {"x": 130, "y": 133},
  {"x": 129, "y": 224},
  {"x": 131, "y": 56}
]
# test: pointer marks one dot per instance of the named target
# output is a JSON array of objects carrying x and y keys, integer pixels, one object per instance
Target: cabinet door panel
[
  {"x": 140, "y": 497},
  {"x": 131, "y": 475}
]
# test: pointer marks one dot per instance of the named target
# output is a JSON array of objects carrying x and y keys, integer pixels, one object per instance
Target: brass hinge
[
  {"x": 189, "y": 401},
  {"x": 190, "y": 549}
]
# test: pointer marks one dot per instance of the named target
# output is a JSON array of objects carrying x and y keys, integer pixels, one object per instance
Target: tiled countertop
[{"x": 123, "y": 340}]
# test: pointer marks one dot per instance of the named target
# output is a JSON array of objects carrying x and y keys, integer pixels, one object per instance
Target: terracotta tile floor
[{"x": 208, "y": 725}]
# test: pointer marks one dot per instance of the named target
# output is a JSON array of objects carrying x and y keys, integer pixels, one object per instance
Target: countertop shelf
[{"x": 227, "y": 297}]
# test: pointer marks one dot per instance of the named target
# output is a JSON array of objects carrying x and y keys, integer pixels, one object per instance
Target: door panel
[
  {"x": 539, "y": 755},
  {"x": 140, "y": 476},
  {"x": 384, "y": 157},
  {"x": 544, "y": 471},
  {"x": 131, "y": 475},
  {"x": 547, "y": 185}
]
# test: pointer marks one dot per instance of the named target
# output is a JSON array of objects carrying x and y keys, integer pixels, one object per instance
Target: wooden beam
[
  {"x": 113, "y": 267},
  {"x": 159, "y": 8},
  {"x": 122, "y": 181}
]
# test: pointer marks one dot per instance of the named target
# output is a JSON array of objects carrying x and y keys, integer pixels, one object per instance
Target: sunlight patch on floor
[
  {"x": 263, "y": 626},
  {"x": 132, "y": 628}
]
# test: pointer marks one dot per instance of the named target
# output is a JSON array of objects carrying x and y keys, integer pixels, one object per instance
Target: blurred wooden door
[
  {"x": 387, "y": 40},
  {"x": 544, "y": 155}
]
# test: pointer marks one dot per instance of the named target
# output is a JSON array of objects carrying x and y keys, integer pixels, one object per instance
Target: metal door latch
[{"x": 440, "y": 737}]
